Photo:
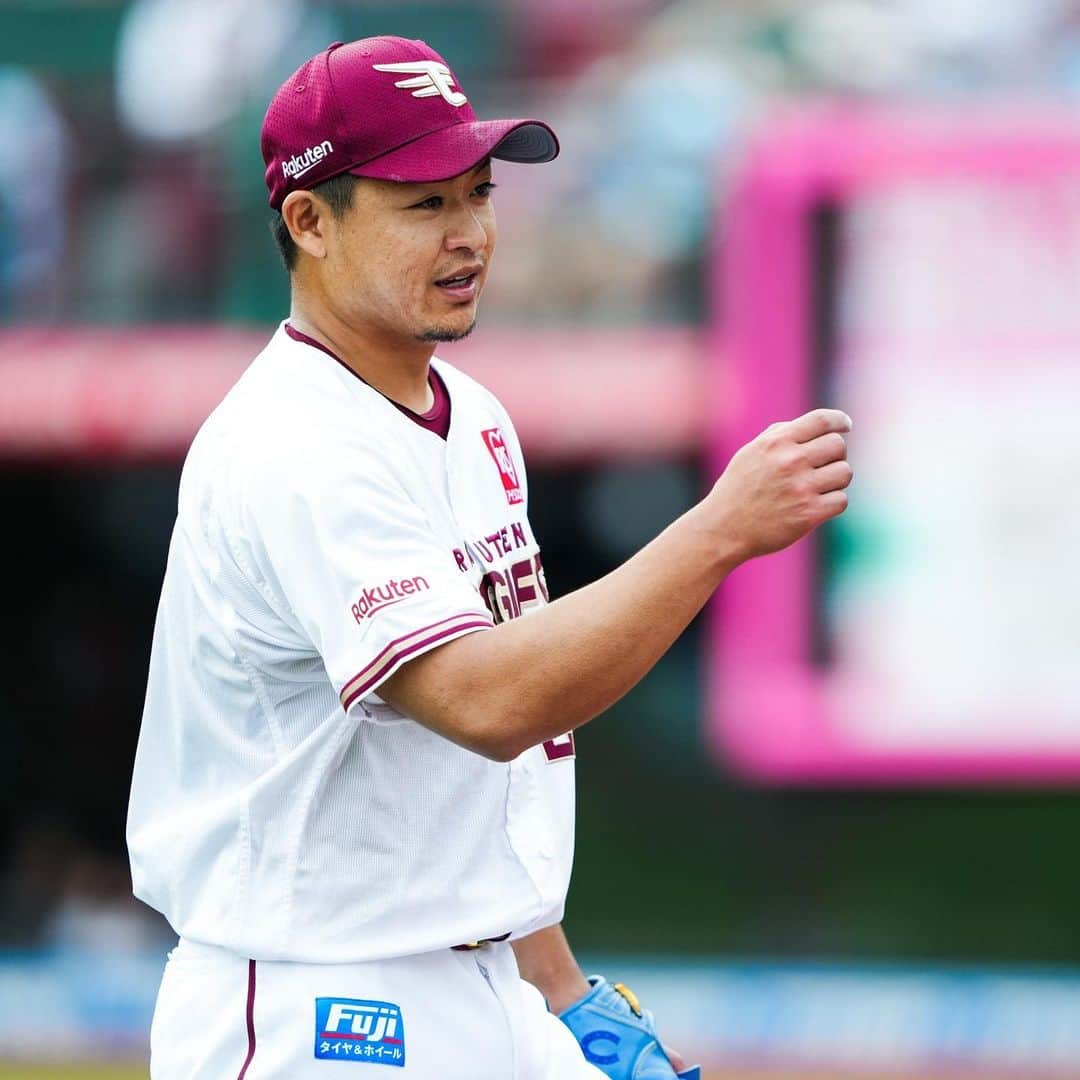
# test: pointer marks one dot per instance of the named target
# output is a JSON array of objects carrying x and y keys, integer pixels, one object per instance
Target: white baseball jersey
[{"x": 325, "y": 536}]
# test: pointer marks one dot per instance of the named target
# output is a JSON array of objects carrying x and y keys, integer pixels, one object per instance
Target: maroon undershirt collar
[{"x": 435, "y": 420}]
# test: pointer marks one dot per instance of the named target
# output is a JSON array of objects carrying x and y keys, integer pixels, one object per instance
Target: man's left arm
[
  {"x": 592, "y": 1008},
  {"x": 545, "y": 960}
]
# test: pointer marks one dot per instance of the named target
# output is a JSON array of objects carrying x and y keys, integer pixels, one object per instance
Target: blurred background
[{"x": 833, "y": 832}]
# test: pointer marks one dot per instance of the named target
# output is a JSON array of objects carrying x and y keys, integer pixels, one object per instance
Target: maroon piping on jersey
[
  {"x": 250, "y": 1020},
  {"x": 394, "y": 654},
  {"x": 435, "y": 420}
]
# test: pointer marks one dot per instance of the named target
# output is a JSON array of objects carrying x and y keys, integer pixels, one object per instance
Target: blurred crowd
[
  {"x": 134, "y": 182},
  {"x": 129, "y": 143}
]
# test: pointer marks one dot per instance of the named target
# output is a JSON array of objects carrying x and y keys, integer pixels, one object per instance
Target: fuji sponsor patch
[
  {"x": 500, "y": 454},
  {"x": 371, "y": 1032}
]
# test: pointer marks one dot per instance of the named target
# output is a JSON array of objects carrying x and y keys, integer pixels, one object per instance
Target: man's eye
[
  {"x": 433, "y": 202},
  {"x": 485, "y": 189}
]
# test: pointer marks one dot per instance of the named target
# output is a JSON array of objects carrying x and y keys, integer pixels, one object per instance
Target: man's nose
[{"x": 467, "y": 231}]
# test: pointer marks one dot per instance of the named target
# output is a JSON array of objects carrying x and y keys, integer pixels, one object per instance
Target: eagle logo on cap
[{"x": 432, "y": 79}]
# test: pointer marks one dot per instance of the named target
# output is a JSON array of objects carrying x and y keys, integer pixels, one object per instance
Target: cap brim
[{"x": 451, "y": 151}]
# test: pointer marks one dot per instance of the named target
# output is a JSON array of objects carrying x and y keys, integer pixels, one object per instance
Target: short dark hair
[{"x": 338, "y": 194}]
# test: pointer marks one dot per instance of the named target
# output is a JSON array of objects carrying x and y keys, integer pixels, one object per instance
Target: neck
[{"x": 396, "y": 367}]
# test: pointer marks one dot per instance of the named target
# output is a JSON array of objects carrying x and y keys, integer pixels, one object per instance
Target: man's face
[{"x": 410, "y": 260}]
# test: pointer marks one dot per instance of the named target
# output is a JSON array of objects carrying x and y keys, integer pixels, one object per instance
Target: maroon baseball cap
[{"x": 388, "y": 108}]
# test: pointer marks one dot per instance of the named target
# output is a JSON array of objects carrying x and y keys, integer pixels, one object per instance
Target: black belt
[{"x": 469, "y": 946}]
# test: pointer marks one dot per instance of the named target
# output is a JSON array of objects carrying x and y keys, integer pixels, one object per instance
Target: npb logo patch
[{"x": 367, "y": 1031}]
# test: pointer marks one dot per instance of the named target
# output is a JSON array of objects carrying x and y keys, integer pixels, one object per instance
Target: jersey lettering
[
  {"x": 507, "y": 594},
  {"x": 499, "y": 598},
  {"x": 562, "y": 747},
  {"x": 520, "y": 587}
]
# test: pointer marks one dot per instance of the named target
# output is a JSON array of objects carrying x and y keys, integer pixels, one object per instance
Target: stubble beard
[{"x": 446, "y": 333}]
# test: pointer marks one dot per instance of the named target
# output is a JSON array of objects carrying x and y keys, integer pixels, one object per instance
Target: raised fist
[{"x": 784, "y": 483}]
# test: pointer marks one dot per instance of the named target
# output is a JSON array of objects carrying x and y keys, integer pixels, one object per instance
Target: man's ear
[{"x": 305, "y": 216}]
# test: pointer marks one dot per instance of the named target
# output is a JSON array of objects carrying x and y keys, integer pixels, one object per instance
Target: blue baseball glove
[{"x": 618, "y": 1036}]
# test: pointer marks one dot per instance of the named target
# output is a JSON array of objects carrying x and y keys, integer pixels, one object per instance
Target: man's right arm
[{"x": 501, "y": 691}]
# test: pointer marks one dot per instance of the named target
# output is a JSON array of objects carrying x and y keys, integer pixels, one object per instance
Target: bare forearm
[
  {"x": 529, "y": 680},
  {"x": 545, "y": 960},
  {"x": 537, "y": 677}
]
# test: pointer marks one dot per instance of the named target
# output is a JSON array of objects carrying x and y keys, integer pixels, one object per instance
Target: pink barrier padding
[
  {"x": 121, "y": 394},
  {"x": 775, "y": 716}
]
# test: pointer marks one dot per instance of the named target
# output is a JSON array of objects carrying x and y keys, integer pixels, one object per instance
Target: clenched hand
[{"x": 784, "y": 483}]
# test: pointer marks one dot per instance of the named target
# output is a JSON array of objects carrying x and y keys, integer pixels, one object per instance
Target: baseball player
[{"x": 354, "y": 786}]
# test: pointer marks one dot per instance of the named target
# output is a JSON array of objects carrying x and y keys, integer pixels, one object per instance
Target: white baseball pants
[{"x": 445, "y": 1015}]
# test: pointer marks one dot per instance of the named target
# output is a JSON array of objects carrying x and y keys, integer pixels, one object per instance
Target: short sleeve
[{"x": 359, "y": 569}]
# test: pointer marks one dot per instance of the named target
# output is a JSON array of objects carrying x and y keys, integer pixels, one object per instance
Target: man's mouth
[{"x": 461, "y": 286}]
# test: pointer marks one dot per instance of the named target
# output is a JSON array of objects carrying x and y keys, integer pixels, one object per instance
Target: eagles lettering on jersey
[
  {"x": 510, "y": 591},
  {"x": 512, "y": 582}
]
